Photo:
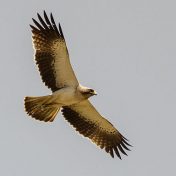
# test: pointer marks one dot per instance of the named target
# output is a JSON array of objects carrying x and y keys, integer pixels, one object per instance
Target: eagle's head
[{"x": 87, "y": 92}]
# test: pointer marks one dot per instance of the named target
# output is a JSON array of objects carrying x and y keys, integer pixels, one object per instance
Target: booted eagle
[{"x": 52, "y": 59}]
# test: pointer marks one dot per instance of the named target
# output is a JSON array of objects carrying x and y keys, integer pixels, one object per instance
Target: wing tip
[
  {"x": 47, "y": 23},
  {"x": 112, "y": 143},
  {"x": 60, "y": 30},
  {"x": 120, "y": 147}
]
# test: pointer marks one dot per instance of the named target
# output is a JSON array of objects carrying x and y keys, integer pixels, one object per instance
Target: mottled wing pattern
[
  {"x": 88, "y": 122},
  {"x": 51, "y": 54}
]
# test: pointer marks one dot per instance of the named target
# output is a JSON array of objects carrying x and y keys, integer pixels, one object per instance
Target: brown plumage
[
  {"x": 99, "y": 130},
  {"x": 40, "y": 109},
  {"x": 50, "y": 47},
  {"x": 52, "y": 59}
]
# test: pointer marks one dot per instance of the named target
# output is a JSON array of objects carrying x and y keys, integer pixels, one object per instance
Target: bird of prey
[{"x": 52, "y": 59}]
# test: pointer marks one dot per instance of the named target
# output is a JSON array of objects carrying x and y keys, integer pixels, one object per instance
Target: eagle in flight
[{"x": 52, "y": 59}]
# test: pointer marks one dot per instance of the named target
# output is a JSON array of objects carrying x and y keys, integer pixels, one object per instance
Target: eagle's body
[
  {"x": 53, "y": 61},
  {"x": 69, "y": 95}
]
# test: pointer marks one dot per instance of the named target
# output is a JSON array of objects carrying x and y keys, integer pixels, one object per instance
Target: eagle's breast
[{"x": 67, "y": 96}]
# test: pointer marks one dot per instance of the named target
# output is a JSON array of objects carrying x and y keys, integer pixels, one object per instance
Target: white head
[{"x": 86, "y": 92}]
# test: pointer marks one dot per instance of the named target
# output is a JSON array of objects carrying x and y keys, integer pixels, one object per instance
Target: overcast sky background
[{"x": 126, "y": 51}]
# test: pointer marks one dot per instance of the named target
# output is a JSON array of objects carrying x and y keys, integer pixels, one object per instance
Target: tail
[{"x": 41, "y": 108}]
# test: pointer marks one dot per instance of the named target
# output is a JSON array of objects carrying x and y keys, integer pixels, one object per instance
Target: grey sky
[{"x": 126, "y": 51}]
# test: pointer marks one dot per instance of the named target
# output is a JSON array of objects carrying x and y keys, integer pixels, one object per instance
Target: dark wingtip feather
[
  {"x": 60, "y": 30},
  {"x": 37, "y": 24},
  {"x": 47, "y": 20},
  {"x": 124, "y": 146},
  {"x": 111, "y": 152},
  {"x": 124, "y": 138},
  {"x": 54, "y": 24},
  {"x": 121, "y": 149},
  {"x": 127, "y": 143},
  {"x": 117, "y": 152},
  {"x": 32, "y": 27},
  {"x": 52, "y": 18},
  {"x": 42, "y": 21},
  {"x": 44, "y": 12}
]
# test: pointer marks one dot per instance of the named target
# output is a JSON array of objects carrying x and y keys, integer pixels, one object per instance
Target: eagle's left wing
[
  {"x": 88, "y": 122},
  {"x": 51, "y": 54}
]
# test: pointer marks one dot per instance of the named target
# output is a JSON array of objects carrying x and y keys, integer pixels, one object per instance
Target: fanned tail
[{"x": 41, "y": 108}]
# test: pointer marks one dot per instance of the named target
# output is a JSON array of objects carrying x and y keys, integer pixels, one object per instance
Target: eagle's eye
[
  {"x": 92, "y": 92},
  {"x": 89, "y": 92}
]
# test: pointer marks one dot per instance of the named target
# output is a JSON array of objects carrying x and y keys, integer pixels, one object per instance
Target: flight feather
[{"x": 51, "y": 54}]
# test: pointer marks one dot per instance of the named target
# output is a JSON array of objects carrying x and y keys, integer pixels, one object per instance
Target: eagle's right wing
[
  {"x": 88, "y": 122},
  {"x": 51, "y": 54}
]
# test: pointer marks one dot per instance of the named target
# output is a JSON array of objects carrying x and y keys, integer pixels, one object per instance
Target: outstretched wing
[
  {"x": 51, "y": 54},
  {"x": 88, "y": 122}
]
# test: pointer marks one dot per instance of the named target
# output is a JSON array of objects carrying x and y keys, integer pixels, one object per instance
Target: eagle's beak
[{"x": 94, "y": 93}]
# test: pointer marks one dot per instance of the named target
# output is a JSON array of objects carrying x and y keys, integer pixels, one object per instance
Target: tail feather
[{"x": 41, "y": 108}]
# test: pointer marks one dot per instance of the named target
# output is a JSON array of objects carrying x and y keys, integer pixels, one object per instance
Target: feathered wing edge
[
  {"x": 110, "y": 141},
  {"x": 44, "y": 33},
  {"x": 47, "y": 25},
  {"x": 40, "y": 109},
  {"x": 51, "y": 53}
]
